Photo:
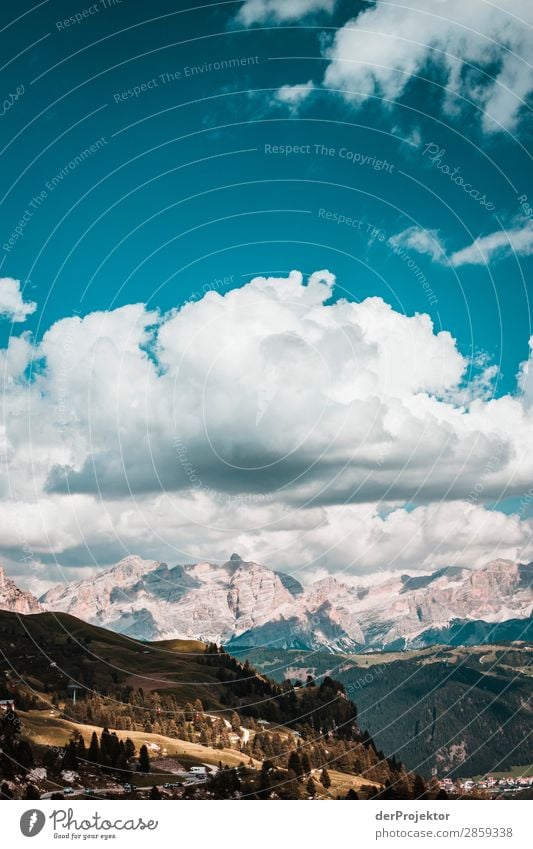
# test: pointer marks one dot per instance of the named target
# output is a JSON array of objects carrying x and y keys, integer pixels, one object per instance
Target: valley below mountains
[
  {"x": 438, "y": 665},
  {"x": 459, "y": 711}
]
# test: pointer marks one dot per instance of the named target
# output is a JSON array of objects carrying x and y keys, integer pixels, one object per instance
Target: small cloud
[
  {"x": 422, "y": 241},
  {"x": 12, "y": 304},
  {"x": 260, "y": 11},
  {"x": 413, "y": 137},
  {"x": 294, "y": 95},
  {"x": 518, "y": 241}
]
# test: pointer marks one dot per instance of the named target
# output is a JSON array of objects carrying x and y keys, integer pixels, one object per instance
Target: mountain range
[
  {"x": 242, "y": 604},
  {"x": 462, "y": 711}
]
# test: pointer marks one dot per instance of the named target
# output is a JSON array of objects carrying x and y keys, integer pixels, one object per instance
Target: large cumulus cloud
[{"x": 276, "y": 417}]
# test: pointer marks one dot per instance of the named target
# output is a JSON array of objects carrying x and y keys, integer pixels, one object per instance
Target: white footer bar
[{"x": 232, "y": 824}]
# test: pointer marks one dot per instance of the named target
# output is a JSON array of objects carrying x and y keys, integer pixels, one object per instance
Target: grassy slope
[
  {"x": 42, "y": 729},
  {"x": 30, "y": 645},
  {"x": 47, "y": 650}
]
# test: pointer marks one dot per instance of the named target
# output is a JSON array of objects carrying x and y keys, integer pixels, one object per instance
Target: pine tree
[
  {"x": 419, "y": 788},
  {"x": 9, "y": 728},
  {"x": 311, "y": 787},
  {"x": 325, "y": 780},
  {"x": 290, "y": 788},
  {"x": 144, "y": 760},
  {"x": 50, "y": 759},
  {"x": 295, "y": 764},
  {"x": 32, "y": 792},
  {"x": 94, "y": 749},
  {"x": 306, "y": 763},
  {"x": 235, "y": 721},
  {"x": 70, "y": 758},
  {"x": 129, "y": 747},
  {"x": 265, "y": 780},
  {"x": 24, "y": 754}
]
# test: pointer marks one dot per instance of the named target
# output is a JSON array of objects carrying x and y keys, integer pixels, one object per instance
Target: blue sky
[{"x": 153, "y": 155}]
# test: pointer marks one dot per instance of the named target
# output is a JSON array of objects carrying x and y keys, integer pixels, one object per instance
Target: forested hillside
[
  {"x": 117, "y": 715},
  {"x": 461, "y": 711}
]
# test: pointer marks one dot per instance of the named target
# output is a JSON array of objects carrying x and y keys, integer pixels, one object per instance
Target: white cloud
[
  {"x": 12, "y": 304},
  {"x": 247, "y": 421},
  {"x": 517, "y": 240},
  {"x": 484, "y": 50},
  {"x": 352, "y": 539},
  {"x": 422, "y": 241},
  {"x": 359, "y": 540},
  {"x": 271, "y": 11},
  {"x": 294, "y": 95}
]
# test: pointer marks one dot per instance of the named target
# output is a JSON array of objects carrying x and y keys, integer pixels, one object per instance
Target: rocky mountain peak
[
  {"x": 14, "y": 599},
  {"x": 132, "y": 566},
  {"x": 501, "y": 565},
  {"x": 327, "y": 589}
]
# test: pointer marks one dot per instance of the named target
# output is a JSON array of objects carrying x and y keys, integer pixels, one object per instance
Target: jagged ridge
[{"x": 242, "y": 603}]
